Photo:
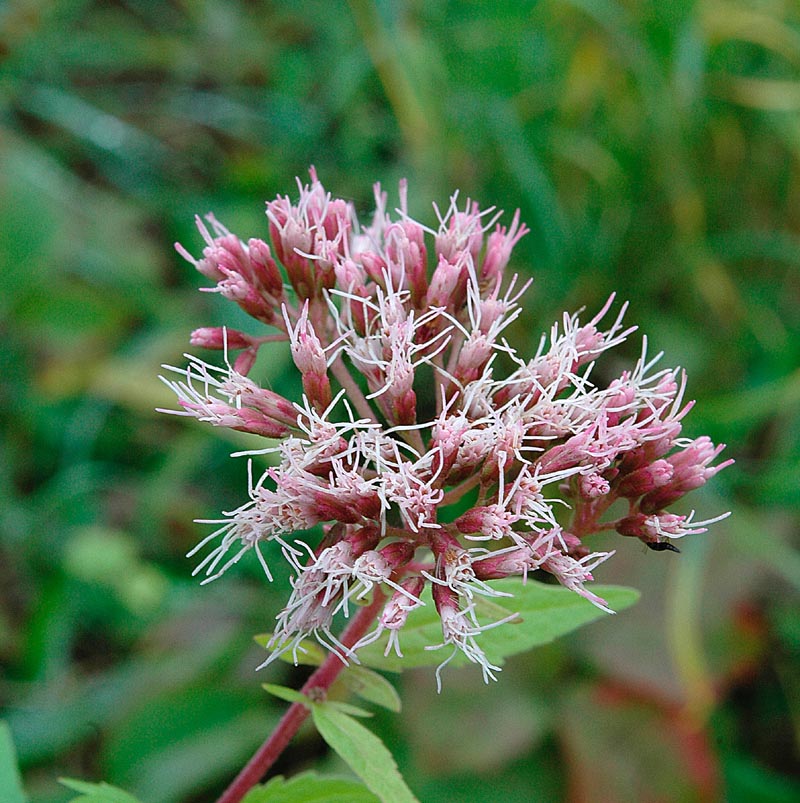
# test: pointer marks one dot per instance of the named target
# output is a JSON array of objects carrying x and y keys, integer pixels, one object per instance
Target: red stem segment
[{"x": 322, "y": 678}]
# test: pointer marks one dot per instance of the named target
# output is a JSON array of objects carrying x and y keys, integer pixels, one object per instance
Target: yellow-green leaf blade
[
  {"x": 364, "y": 753},
  {"x": 545, "y": 612},
  {"x": 310, "y": 788}
]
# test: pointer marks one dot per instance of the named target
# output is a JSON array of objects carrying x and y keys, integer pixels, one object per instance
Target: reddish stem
[{"x": 322, "y": 679}]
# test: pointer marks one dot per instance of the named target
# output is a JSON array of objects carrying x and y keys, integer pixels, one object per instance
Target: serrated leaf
[
  {"x": 97, "y": 792},
  {"x": 284, "y": 693},
  {"x": 545, "y": 613},
  {"x": 310, "y": 788},
  {"x": 364, "y": 753},
  {"x": 10, "y": 780},
  {"x": 370, "y": 686}
]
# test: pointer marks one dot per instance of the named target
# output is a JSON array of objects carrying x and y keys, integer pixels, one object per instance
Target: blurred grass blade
[{"x": 10, "y": 779}]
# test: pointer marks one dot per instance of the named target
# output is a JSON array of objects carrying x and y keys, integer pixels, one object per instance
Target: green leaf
[
  {"x": 292, "y": 696},
  {"x": 364, "y": 753},
  {"x": 284, "y": 693},
  {"x": 346, "y": 708},
  {"x": 370, "y": 686},
  {"x": 10, "y": 780},
  {"x": 309, "y": 788},
  {"x": 545, "y": 613},
  {"x": 97, "y": 792}
]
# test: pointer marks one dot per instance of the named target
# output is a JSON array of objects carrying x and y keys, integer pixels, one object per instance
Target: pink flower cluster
[{"x": 424, "y": 462}]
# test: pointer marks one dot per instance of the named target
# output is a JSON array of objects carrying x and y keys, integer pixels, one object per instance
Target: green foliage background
[{"x": 653, "y": 148}]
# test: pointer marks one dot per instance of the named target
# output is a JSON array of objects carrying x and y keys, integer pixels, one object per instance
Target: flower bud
[
  {"x": 499, "y": 245},
  {"x": 265, "y": 270},
  {"x": 220, "y": 337},
  {"x": 645, "y": 479}
]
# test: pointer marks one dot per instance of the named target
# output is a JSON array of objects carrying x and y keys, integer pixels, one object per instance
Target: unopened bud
[
  {"x": 265, "y": 269},
  {"x": 499, "y": 245},
  {"x": 220, "y": 337},
  {"x": 645, "y": 479}
]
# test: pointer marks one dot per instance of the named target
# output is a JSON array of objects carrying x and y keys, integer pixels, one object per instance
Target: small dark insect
[{"x": 662, "y": 546}]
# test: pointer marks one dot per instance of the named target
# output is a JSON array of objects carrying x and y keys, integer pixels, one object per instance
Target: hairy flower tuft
[{"x": 398, "y": 334}]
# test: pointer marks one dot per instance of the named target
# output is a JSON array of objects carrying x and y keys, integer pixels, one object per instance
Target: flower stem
[{"x": 322, "y": 679}]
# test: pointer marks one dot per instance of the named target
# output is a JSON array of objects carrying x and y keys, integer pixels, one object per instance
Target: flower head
[{"x": 404, "y": 414}]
